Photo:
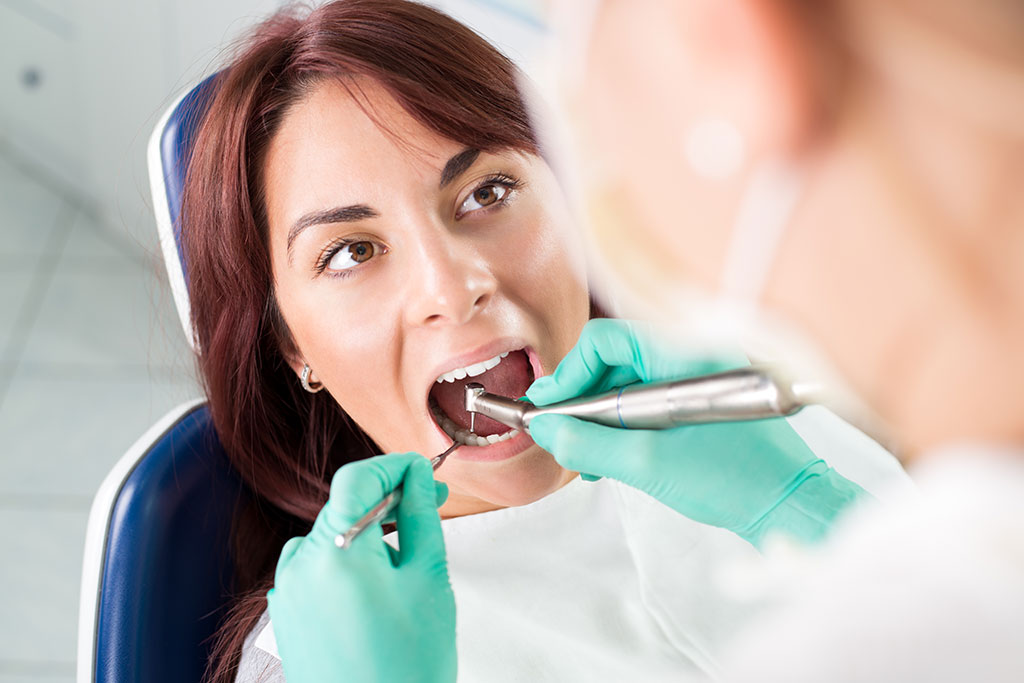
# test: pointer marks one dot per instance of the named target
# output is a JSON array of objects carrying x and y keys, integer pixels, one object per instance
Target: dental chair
[{"x": 157, "y": 569}]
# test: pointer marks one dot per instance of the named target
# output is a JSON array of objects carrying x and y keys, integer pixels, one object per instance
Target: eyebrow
[
  {"x": 454, "y": 167},
  {"x": 457, "y": 165},
  {"x": 339, "y": 214}
]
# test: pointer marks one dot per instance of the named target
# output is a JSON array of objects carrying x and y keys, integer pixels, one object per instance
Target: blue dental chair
[{"x": 158, "y": 569}]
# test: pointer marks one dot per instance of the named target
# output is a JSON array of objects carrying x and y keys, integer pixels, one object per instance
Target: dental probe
[
  {"x": 749, "y": 393},
  {"x": 385, "y": 507}
]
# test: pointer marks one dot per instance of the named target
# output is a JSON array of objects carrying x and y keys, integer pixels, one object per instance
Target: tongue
[{"x": 511, "y": 377}]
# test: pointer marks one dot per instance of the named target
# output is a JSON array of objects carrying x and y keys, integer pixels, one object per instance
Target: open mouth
[{"x": 507, "y": 374}]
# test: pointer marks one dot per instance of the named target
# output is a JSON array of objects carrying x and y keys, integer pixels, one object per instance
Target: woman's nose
[{"x": 449, "y": 285}]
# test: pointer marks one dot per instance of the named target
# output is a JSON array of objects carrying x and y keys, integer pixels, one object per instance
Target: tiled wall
[{"x": 91, "y": 354}]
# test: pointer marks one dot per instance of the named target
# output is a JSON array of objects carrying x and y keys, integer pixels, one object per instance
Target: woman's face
[{"x": 401, "y": 258}]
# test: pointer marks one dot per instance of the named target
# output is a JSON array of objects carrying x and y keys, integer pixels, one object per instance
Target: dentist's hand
[
  {"x": 750, "y": 477},
  {"x": 368, "y": 613}
]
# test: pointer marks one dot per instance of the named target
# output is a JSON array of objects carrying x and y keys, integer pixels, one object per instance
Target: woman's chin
[{"x": 480, "y": 486}]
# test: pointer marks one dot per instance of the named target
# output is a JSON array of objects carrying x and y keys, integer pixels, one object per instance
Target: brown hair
[{"x": 287, "y": 443}]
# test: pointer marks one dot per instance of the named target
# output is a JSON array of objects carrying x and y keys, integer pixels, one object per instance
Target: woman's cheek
[{"x": 354, "y": 358}]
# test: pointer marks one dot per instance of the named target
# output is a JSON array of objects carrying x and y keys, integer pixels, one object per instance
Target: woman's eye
[
  {"x": 351, "y": 255},
  {"x": 484, "y": 196}
]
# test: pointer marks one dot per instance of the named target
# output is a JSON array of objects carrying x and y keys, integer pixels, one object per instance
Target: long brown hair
[{"x": 285, "y": 442}]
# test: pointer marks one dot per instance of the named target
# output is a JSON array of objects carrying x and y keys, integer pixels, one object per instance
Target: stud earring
[
  {"x": 715, "y": 148},
  {"x": 304, "y": 378}
]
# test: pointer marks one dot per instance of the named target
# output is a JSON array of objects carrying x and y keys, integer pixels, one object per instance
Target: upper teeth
[{"x": 471, "y": 370}]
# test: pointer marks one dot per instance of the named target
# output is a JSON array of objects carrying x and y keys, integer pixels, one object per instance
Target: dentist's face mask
[{"x": 683, "y": 228}]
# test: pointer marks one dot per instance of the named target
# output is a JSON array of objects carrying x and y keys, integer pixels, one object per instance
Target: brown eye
[
  {"x": 361, "y": 251},
  {"x": 351, "y": 255},
  {"x": 486, "y": 195}
]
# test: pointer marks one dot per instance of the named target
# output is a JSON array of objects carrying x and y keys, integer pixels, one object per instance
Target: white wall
[{"x": 108, "y": 68}]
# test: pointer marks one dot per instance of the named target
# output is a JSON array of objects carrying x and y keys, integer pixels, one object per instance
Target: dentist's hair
[{"x": 285, "y": 442}]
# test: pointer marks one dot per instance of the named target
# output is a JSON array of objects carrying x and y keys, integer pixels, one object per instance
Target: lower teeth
[{"x": 464, "y": 436}]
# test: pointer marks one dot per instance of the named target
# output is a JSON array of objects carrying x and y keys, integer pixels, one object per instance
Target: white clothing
[
  {"x": 927, "y": 588},
  {"x": 595, "y": 582},
  {"x": 600, "y": 582}
]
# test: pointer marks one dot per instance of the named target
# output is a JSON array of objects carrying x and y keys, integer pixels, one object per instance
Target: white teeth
[
  {"x": 482, "y": 367},
  {"x": 465, "y": 437},
  {"x": 472, "y": 370}
]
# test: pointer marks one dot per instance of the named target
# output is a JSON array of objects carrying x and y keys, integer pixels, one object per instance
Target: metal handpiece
[
  {"x": 744, "y": 394},
  {"x": 385, "y": 507}
]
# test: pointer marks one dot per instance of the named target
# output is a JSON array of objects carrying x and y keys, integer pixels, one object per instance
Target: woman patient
[{"x": 368, "y": 225}]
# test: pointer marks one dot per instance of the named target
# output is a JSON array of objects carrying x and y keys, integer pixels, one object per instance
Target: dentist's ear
[
  {"x": 675, "y": 104},
  {"x": 757, "y": 65}
]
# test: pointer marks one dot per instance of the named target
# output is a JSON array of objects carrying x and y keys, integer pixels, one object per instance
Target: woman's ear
[
  {"x": 296, "y": 364},
  {"x": 306, "y": 376},
  {"x": 282, "y": 334}
]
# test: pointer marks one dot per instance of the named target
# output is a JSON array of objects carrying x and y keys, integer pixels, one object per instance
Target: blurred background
[{"x": 91, "y": 350}]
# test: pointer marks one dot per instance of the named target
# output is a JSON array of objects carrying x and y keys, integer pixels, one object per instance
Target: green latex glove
[
  {"x": 368, "y": 613},
  {"x": 753, "y": 478}
]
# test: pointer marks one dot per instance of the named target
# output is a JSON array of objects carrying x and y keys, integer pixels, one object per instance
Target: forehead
[{"x": 349, "y": 143}]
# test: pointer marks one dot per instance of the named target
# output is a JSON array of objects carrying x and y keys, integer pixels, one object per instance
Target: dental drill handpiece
[
  {"x": 385, "y": 507},
  {"x": 749, "y": 393}
]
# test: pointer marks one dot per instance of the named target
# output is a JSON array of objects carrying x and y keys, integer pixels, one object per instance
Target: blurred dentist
[{"x": 837, "y": 183}]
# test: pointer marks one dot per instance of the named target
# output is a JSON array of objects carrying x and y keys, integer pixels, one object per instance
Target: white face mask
[{"x": 701, "y": 319}]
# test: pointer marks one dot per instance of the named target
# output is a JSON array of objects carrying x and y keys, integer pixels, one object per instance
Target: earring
[
  {"x": 304, "y": 378},
  {"x": 714, "y": 148}
]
